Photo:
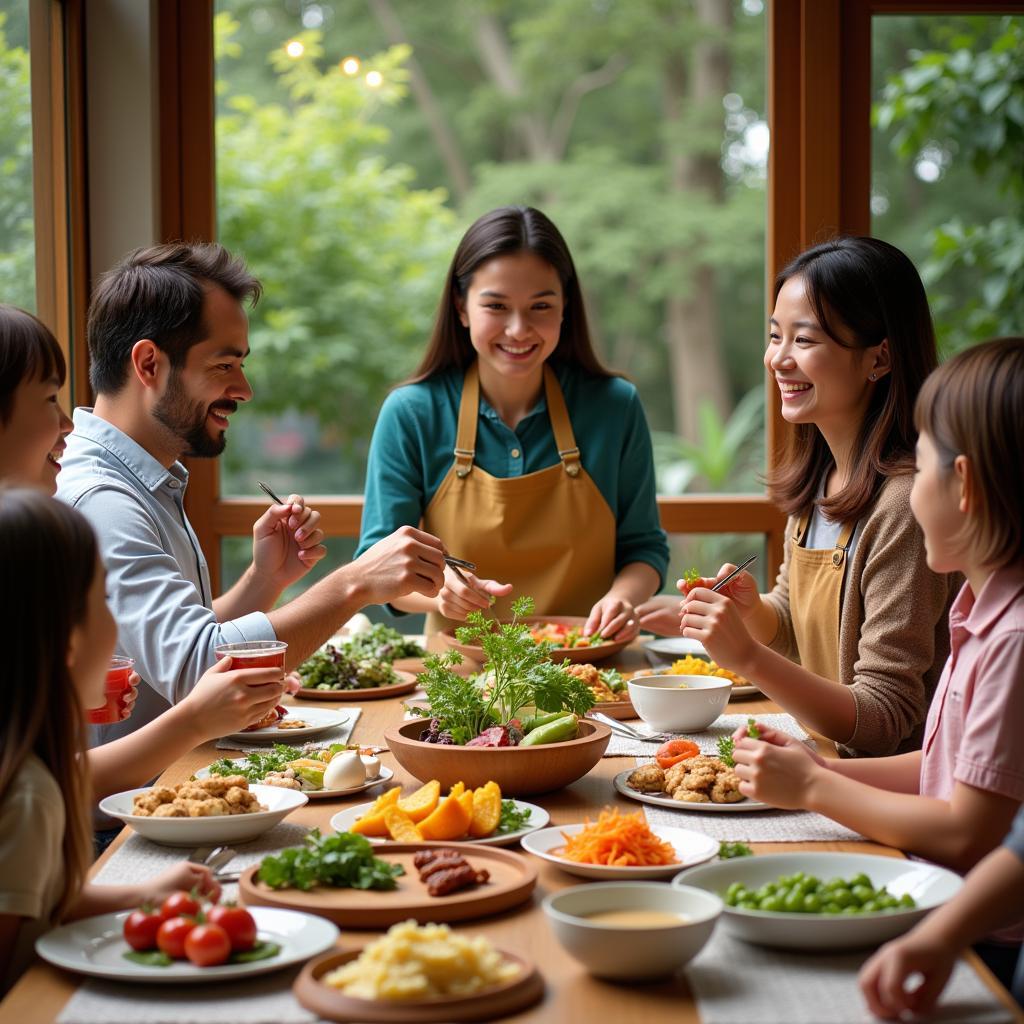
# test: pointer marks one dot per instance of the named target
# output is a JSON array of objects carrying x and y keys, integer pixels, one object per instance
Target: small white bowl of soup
[
  {"x": 679, "y": 703},
  {"x": 632, "y": 930}
]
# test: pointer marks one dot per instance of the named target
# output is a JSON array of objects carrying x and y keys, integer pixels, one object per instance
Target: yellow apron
[
  {"x": 815, "y": 592},
  {"x": 551, "y": 533}
]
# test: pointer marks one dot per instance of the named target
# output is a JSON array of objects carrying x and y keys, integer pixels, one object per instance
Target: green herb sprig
[
  {"x": 512, "y": 818},
  {"x": 726, "y": 744},
  {"x": 342, "y": 861},
  {"x": 726, "y": 851}
]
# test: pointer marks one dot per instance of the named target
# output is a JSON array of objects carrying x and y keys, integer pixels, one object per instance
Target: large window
[
  {"x": 948, "y": 164},
  {"x": 357, "y": 140},
  {"x": 17, "y": 234}
]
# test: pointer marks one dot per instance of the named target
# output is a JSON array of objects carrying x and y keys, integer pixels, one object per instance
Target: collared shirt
[
  {"x": 414, "y": 438},
  {"x": 973, "y": 732},
  {"x": 158, "y": 583}
]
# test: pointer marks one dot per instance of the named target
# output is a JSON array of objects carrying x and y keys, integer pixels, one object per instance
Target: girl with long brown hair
[
  {"x": 516, "y": 446},
  {"x": 57, "y": 638},
  {"x": 852, "y": 638}
]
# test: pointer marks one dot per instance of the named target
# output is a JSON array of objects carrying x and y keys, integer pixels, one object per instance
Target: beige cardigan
[{"x": 893, "y": 631}]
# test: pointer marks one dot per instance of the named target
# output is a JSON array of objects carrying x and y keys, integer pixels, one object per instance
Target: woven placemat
[
  {"x": 707, "y": 740},
  {"x": 737, "y": 983}
]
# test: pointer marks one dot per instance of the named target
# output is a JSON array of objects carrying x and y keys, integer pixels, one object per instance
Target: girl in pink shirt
[{"x": 953, "y": 801}]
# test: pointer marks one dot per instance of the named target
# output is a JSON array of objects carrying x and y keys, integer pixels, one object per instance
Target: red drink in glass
[
  {"x": 118, "y": 684},
  {"x": 256, "y": 654}
]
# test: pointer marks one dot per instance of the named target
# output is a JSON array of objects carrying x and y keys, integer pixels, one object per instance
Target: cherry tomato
[
  {"x": 171, "y": 936},
  {"x": 140, "y": 928},
  {"x": 207, "y": 945},
  {"x": 180, "y": 904},
  {"x": 237, "y": 922},
  {"x": 675, "y": 751}
]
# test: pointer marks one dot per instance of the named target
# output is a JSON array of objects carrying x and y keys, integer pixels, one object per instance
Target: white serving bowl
[
  {"x": 929, "y": 885},
  {"x": 224, "y": 828},
  {"x": 679, "y": 703},
  {"x": 609, "y": 951}
]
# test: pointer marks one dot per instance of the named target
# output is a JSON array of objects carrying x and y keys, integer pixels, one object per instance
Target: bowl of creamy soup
[{"x": 632, "y": 930}]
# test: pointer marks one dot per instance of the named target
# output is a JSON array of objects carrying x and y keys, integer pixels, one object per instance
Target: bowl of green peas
[{"x": 822, "y": 900}]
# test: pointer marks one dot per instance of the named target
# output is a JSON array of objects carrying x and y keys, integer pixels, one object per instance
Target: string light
[
  {"x": 350, "y": 65},
  {"x": 374, "y": 79},
  {"x": 295, "y": 49}
]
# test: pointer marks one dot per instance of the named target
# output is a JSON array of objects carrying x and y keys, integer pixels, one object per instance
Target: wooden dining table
[{"x": 570, "y": 993}]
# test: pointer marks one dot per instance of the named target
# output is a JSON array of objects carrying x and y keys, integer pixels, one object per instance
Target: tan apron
[
  {"x": 551, "y": 533},
  {"x": 815, "y": 592}
]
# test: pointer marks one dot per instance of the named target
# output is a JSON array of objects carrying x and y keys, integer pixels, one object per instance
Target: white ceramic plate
[
  {"x": 386, "y": 774},
  {"x": 96, "y": 946},
  {"x": 691, "y": 848},
  {"x": 222, "y": 828},
  {"x": 663, "y": 800},
  {"x": 319, "y": 719},
  {"x": 344, "y": 820},
  {"x": 930, "y": 885},
  {"x": 667, "y": 649}
]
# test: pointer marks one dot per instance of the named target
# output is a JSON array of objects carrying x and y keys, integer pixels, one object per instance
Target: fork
[{"x": 629, "y": 732}]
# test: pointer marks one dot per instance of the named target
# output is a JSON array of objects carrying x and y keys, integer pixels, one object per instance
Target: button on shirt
[{"x": 157, "y": 579}]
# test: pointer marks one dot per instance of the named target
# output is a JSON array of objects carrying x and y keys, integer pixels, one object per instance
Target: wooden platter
[
  {"x": 512, "y": 881},
  {"x": 496, "y": 1001},
  {"x": 406, "y": 684},
  {"x": 598, "y": 652}
]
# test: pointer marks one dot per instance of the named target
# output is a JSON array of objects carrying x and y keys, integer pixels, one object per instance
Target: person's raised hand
[
  {"x": 407, "y": 561},
  {"x": 715, "y": 620},
  {"x": 287, "y": 542},
  {"x": 227, "y": 700},
  {"x": 465, "y": 593}
]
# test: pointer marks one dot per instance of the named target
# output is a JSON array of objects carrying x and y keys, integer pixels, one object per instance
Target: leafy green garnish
[
  {"x": 726, "y": 744},
  {"x": 382, "y": 643},
  {"x": 158, "y": 958},
  {"x": 512, "y": 818},
  {"x": 519, "y": 675},
  {"x": 261, "y": 951},
  {"x": 255, "y": 765},
  {"x": 691, "y": 575},
  {"x": 342, "y": 861},
  {"x": 148, "y": 957},
  {"x": 726, "y": 851},
  {"x": 613, "y": 679}
]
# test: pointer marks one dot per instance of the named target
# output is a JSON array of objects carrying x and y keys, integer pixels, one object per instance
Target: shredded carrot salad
[{"x": 618, "y": 840}]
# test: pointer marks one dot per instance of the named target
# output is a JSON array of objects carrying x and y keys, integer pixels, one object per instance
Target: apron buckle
[
  {"x": 837, "y": 558},
  {"x": 571, "y": 460}
]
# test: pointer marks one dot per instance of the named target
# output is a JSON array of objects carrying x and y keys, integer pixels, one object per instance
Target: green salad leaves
[
  {"x": 517, "y": 674},
  {"x": 342, "y": 861}
]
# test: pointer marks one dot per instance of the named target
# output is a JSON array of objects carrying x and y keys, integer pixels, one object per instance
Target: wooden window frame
[{"x": 819, "y": 175}]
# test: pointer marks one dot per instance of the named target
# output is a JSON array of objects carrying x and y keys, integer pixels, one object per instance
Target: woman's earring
[{"x": 873, "y": 376}]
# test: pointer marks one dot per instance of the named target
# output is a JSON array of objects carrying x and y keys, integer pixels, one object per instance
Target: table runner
[
  {"x": 707, "y": 740},
  {"x": 737, "y": 983},
  {"x": 339, "y": 734}
]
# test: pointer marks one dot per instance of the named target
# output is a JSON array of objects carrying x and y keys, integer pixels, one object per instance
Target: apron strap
[
  {"x": 801, "y": 527},
  {"x": 842, "y": 543},
  {"x": 561, "y": 425},
  {"x": 469, "y": 411}
]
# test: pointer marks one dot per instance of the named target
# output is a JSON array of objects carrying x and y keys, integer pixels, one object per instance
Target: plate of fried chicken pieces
[{"x": 700, "y": 783}]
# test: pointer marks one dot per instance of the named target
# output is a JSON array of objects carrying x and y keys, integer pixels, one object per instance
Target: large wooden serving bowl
[
  {"x": 597, "y": 652},
  {"x": 520, "y": 771}
]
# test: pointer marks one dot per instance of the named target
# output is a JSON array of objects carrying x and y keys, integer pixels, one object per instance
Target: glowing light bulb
[
  {"x": 295, "y": 49},
  {"x": 374, "y": 79},
  {"x": 350, "y": 65}
]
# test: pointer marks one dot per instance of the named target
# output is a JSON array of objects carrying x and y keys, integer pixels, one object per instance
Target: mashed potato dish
[{"x": 412, "y": 963}]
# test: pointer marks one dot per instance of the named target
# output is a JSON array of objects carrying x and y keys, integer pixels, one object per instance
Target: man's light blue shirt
[{"x": 158, "y": 583}]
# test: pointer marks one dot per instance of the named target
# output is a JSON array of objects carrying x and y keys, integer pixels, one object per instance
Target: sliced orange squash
[
  {"x": 372, "y": 822},
  {"x": 452, "y": 817},
  {"x": 422, "y": 803},
  {"x": 400, "y": 826},
  {"x": 486, "y": 810}
]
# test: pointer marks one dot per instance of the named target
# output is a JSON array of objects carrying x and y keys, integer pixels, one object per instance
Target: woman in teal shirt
[{"x": 546, "y": 480}]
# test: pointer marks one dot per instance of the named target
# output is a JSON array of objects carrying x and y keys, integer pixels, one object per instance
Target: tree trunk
[
  {"x": 444, "y": 138},
  {"x": 692, "y": 327}
]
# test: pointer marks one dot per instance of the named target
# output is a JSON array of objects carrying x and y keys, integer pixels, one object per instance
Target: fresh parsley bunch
[
  {"x": 342, "y": 861},
  {"x": 726, "y": 744},
  {"x": 519, "y": 675}
]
